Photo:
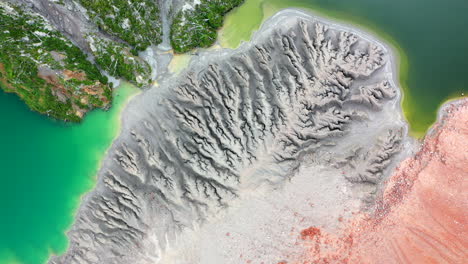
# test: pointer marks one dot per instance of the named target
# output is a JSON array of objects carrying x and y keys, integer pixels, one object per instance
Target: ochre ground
[{"x": 423, "y": 215}]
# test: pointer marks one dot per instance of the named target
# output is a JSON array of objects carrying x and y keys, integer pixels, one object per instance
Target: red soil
[
  {"x": 310, "y": 233},
  {"x": 423, "y": 215}
]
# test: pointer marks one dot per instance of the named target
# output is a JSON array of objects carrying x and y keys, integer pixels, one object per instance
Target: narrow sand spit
[{"x": 423, "y": 215}]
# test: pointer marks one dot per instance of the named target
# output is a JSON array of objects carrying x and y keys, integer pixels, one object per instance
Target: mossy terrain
[
  {"x": 46, "y": 70},
  {"x": 137, "y": 22},
  {"x": 116, "y": 59},
  {"x": 197, "y": 27},
  {"x": 55, "y": 77}
]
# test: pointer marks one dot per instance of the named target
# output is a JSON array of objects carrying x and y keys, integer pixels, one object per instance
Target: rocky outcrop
[{"x": 234, "y": 121}]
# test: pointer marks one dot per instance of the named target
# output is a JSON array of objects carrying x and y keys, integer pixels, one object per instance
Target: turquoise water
[
  {"x": 45, "y": 166},
  {"x": 430, "y": 35}
]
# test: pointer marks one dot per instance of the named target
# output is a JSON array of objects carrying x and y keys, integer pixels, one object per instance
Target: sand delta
[{"x": 284, "y": 207}]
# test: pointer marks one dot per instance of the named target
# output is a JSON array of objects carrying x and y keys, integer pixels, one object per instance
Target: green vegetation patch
[
  {"x": 117, "y": 60},
  {"x": 197, "y": 27},
  {"x": 46, "y": 70},
  {"x": 137, "y": 22}
]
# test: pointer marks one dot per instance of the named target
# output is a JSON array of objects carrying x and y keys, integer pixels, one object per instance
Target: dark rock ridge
[{"x": 234, "y": 121}]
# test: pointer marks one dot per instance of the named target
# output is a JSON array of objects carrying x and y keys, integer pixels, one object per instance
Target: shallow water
[
  {"x": 46, "y": 166},
  {"x": 430, "y": 36}
]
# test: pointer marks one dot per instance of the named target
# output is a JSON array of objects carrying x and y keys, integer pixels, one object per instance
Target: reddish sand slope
[{"x": 423, "y": 215}]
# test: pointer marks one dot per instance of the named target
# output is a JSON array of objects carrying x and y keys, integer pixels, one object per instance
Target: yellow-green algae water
[
  {"x": 45, "y": 167},
  {"x": 430, "y": 37}
]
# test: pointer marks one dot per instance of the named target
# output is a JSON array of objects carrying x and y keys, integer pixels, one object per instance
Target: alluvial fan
[{"x": 235, "y": 121}]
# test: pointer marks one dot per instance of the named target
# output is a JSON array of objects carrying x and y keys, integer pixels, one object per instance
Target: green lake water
[
  {"x": 45, "y": 167},
  {"x": 431, "y": 37}
]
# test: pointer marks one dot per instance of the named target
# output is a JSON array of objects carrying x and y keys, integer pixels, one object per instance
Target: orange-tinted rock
[
  {"x": 78, "y": 75},
  {"x": 423, "y": 215},
  {"x": 310, "y": 233}
]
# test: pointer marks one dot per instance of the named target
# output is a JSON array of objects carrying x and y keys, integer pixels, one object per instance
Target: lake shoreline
[
  {"x": 409, "y": 101},
  {"x": 117, "y": 128},
  {"x": 149, "y": 102}
]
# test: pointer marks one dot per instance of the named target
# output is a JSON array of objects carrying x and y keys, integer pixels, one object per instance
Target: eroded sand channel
[{"x": 307, "y": 114}]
